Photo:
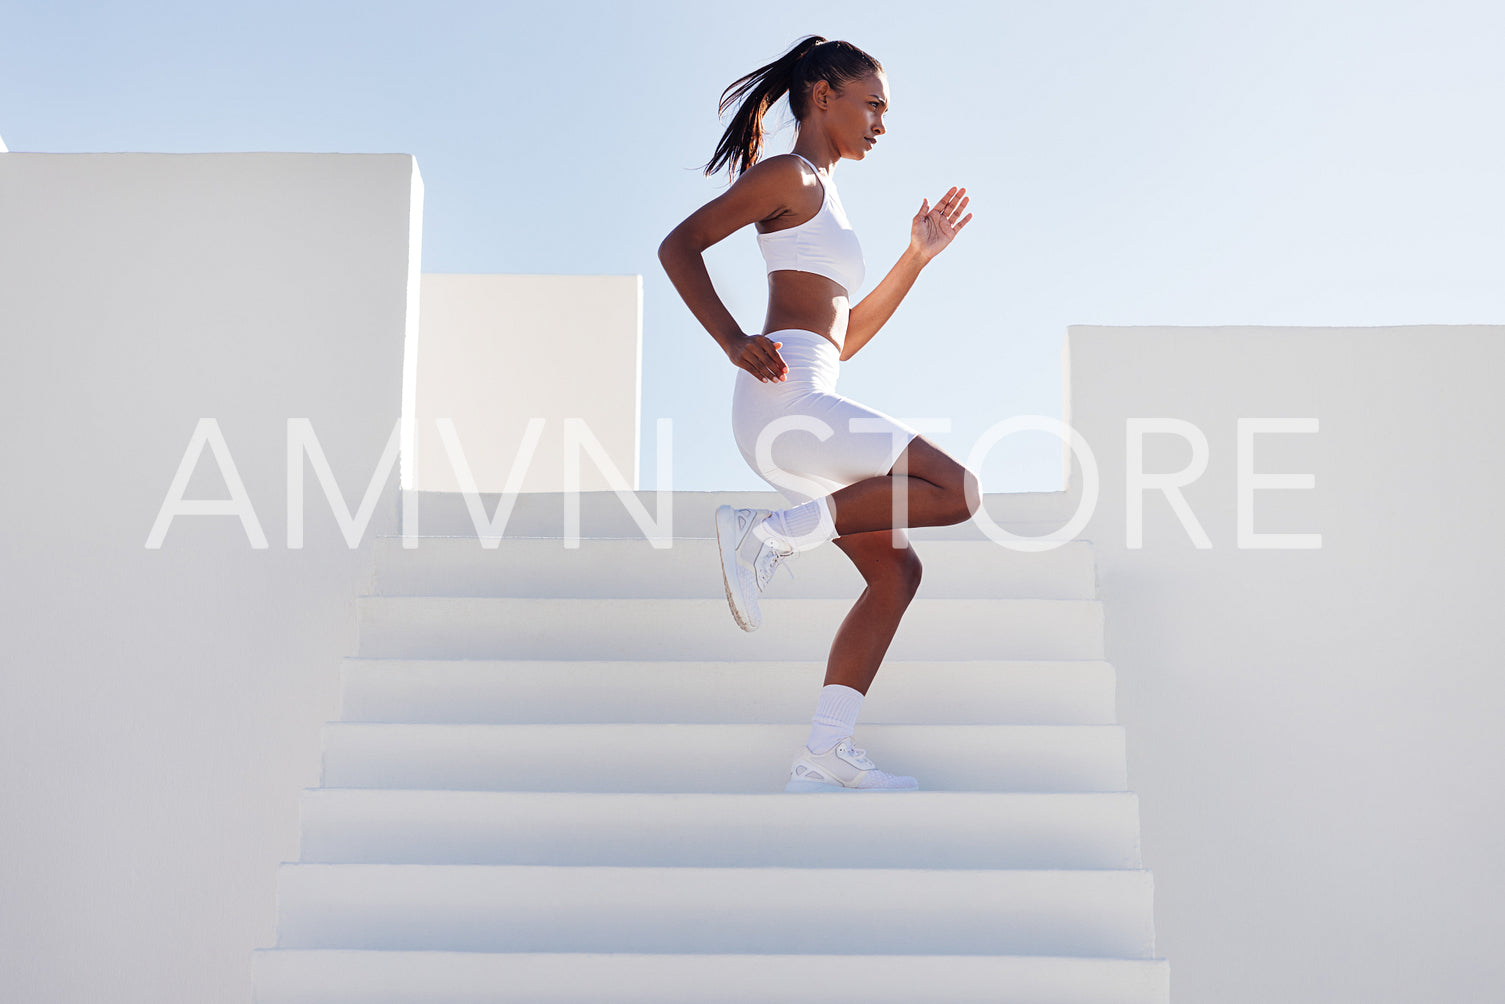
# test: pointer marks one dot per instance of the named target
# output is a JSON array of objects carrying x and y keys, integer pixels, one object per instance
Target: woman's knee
[
  {"x": 971, "y": 494},
  {"x": 901, "y": 574},
  {"x": 884, "y": 567},
  {"x": 966, "y": 494},
  {"x": 924, "y": 459}
]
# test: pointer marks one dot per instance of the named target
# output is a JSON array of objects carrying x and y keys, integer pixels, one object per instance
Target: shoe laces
[
  {"x": 861, "y": 755},
  {"x": 770, "y": 559}
]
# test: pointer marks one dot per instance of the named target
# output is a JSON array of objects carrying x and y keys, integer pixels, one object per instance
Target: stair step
[
  {"x": 540, "y": 908},
  {"x": 500, "y": 691},
  {"x": 335, "y": 976},
  {"x": 559, "y": 777},
  {"x": 468, "y": 627},
  {"x": 713, "y": 758},
  {"x": 942, "y": 829},
  {"x": 690, "y": 567}
]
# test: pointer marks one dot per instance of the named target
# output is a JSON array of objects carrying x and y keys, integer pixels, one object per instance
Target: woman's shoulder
[
  {"x": 780, "y": 187},
  {"x": 786, "y": 173},
  {"x": 775, "y": 169}
]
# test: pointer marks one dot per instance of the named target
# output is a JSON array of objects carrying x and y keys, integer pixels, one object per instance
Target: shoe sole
[
  {"x": 726, "y": 537},
  {"x": 803, "y": 785}
]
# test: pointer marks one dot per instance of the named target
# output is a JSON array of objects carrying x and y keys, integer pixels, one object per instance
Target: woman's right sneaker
[{"x": 842, "y": 768}]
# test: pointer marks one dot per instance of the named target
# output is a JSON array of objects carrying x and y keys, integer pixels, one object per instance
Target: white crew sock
[
  {"x": 807, "y": 525},
  {"x": 835, "y": 716}
]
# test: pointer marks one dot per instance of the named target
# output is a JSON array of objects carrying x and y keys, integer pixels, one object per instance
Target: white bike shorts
[{"x": 801, "y": 436}]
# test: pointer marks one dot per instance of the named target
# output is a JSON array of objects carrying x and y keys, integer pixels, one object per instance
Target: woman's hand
[
  {"x": 933, "y": 229},
  {"x": 758, "y": 354}
]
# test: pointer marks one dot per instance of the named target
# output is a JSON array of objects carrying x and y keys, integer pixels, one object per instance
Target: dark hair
[{"x": 795, "y": 72}]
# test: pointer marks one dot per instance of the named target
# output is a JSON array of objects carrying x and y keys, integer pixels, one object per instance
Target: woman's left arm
[{"x": 929, "y": 233}]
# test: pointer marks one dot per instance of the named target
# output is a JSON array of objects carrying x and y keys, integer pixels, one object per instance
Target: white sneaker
[
  {"x": 750, "y": 552},
  {"x": 842, "y": 768}
]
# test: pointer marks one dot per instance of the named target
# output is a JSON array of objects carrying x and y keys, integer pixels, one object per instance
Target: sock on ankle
[
  {"x": 835, "y": 716},
  {"x": 807, "y": 525}
]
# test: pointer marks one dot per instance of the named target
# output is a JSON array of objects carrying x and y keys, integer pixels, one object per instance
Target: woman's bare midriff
[{"x": 809, "y": 301}]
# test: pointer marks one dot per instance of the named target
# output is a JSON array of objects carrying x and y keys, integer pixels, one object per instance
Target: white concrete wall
[
  {"x": 500, "y": 351},
  {"x": 1315, "y": 735},
  {"x": 160, "y": 708}
]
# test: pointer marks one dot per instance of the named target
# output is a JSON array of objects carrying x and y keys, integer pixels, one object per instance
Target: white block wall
[
  {"x": 1315, "y": 735},
  {"x": 498, "y": 352},
  {"x": 160, "y": 708}
]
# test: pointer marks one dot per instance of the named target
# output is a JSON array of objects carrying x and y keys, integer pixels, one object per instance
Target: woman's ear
[{"x": 820, "y": 93}]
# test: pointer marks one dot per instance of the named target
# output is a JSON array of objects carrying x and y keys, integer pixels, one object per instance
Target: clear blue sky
[{"x": 1193, "y": 163}]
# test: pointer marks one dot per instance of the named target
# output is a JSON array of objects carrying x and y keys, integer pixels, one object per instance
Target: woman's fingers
[
  {"x": 769, "y": 366},
  {"x": 776, "y": 369},
  {"x": 948, "y": 203}
]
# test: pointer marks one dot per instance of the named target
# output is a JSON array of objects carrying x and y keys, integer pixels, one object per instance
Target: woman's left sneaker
[{"x": 751, "y": 549}]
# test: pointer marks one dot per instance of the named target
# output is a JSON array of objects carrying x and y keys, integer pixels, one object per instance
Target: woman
[{"x": 834, "y": 458}]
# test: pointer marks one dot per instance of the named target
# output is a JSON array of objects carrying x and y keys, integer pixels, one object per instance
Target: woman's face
[{"x": 854, "y": 115}]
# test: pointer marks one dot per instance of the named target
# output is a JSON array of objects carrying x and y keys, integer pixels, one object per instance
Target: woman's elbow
[
  {"x": 669, "y": 257},
  {"x": 676, "y": 242}
]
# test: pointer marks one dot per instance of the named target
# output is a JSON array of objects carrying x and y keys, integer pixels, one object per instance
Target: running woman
[{"x": 839, "y": 463}]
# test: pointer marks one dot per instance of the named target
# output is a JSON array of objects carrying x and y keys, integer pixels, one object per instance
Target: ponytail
[{"x": 812, "y": 58}]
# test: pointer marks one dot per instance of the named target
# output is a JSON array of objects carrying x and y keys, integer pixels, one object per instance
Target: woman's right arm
[{"x": 754, "y": 196}]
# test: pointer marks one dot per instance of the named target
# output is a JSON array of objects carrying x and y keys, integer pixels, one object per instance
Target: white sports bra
[{"x": 825, "y": 244}]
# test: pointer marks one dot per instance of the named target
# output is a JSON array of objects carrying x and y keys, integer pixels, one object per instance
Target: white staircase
[{"x": 558, "y": 777}]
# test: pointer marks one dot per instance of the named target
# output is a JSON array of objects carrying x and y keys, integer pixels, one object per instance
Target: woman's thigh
[{"x": 923, "y": 459}]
